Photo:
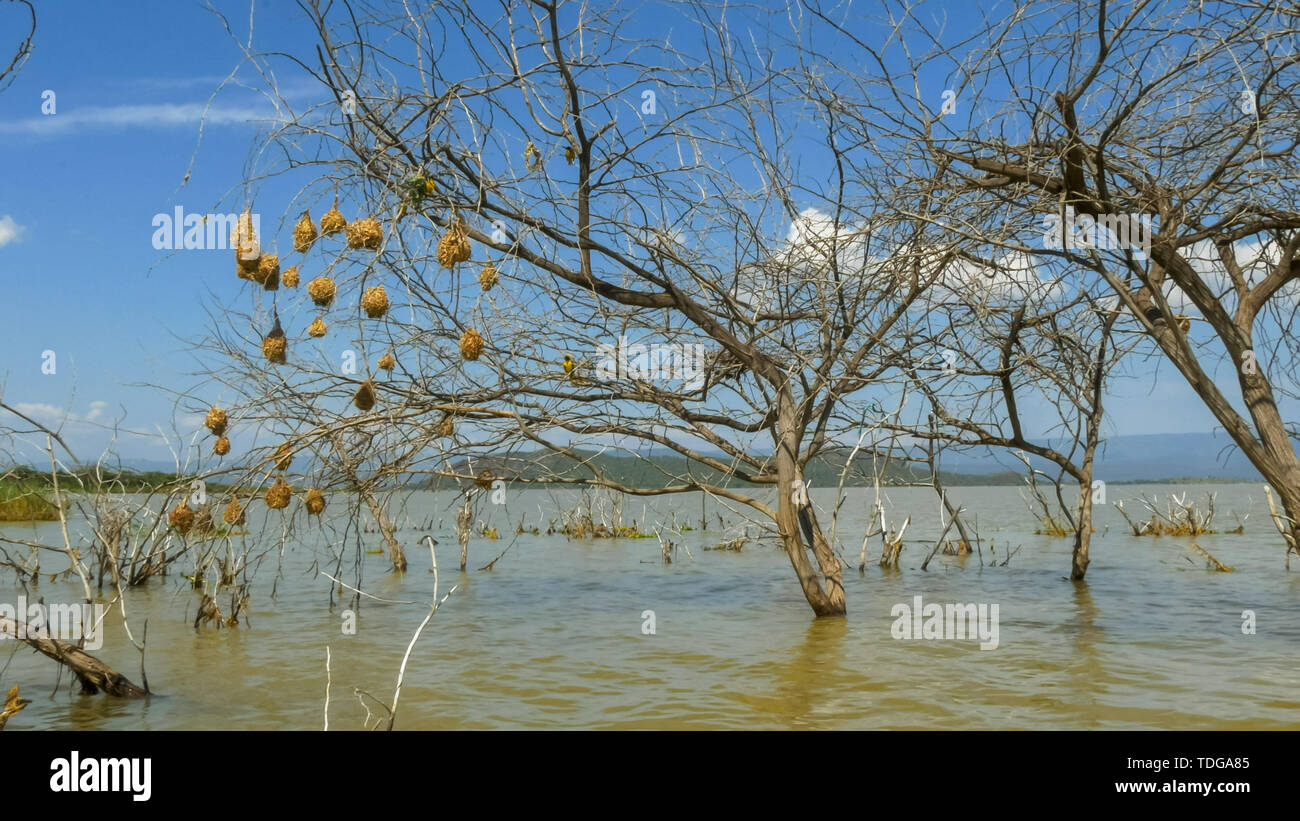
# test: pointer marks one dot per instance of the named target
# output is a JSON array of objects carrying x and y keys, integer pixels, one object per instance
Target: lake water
[{"x": 552, "y": 637}]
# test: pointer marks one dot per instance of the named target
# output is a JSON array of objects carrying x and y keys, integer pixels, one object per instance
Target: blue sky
[{"x": 80, "y": 189}]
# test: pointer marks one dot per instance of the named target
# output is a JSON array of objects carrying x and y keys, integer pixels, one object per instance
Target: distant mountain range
[{"x": 1148, "y": 458}]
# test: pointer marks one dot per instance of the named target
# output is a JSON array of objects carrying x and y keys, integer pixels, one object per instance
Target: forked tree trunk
[
  {"x": 828, "y": 600},
  {"x": 464, "y": 520}
]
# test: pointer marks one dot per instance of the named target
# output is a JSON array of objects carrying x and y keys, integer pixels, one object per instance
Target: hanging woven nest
[
  {"x": 471, "y": 344},
  {"x": 274, "y": 344},
  {"x": 181, "y": 517},
  {"x": 234, "y": 514},
  {"x": 364, "y": 398},
  {"x": 221, "y": 447},
  {"x": 278, "y": 495},
  {"x": 248, "y": 250},
  {"x": 290, "y": 277},
  {"x": 215, "y": 421},
  {"x": 387, "y": 362},
  {"x": 365, "y": 233},
  {"x": 317, "y": 327},
  {"x": 375, "y": 302},
  {"x": 315, "y": 502},
  {"x": 304, "y": 234},
  {"x": 268, "y": 272},
  {"x": 446, "y": 427},
  {"x": 454, "y": 246},
  {"x": 283, "y": 457},
  {"x": 332, "y": 221},
  {"x": 487, "y": 278},
  {"x": 322, "y": 291},
  {"x": 484, "y": 479}
]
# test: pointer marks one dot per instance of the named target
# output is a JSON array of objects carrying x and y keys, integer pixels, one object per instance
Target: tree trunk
[
  {"x": 93, "y": 674},
  {"x": 1082, "y": 531},
  {"x": 463, "y": 523},
  {"x": 828, "y": 601},
  {"x": 395, "y": 551}
]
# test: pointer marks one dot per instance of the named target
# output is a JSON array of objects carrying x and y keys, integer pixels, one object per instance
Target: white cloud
[
  {"x": 10, "y": 231},
  {"x": 160, "y": 115}
]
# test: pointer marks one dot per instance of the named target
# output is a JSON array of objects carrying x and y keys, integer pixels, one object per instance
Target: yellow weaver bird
[{"x": 568, "y": 363}]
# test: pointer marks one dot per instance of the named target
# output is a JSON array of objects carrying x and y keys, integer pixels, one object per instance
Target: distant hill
[{"x": 1166, "y": 457}]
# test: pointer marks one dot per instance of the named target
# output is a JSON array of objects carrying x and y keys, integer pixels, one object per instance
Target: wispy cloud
[
  {"x": 158, "y": 115},
  {"x": 10, "y": 231}
]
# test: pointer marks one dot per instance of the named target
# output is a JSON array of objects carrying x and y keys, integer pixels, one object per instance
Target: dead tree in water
[{"x": 93, "y": 674}]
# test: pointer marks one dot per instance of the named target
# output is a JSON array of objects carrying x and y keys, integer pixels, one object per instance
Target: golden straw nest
[
  {"x": 290, "y": 277},
  {"x": 446, "y": 427},
  {"x": 278, "y": 494},
  {"x": 471, "y": 344},
  {"x": 268, "y": 272},
  {"x": 322, "y": 291},
  {"x": 487, "y": 278},
  {"x": 387, "y": 362},
  {"x": 375, "y": 301},
  {"x": 332, "y": 221},
  {"x": 484, "y": 479},
  {"x": 221, "y": 447},
  {"x": 247, "y": 249},
  {"x": 454, "y": 246},
  {"x": 274, "y": 347},
  {"x": 315, "y": 501},
  {"x": 365, "y": 233},
  {"x": 234, "y": 514},
  {"x": 215, "y": 421},
  {"x": 317, "y": 327},
  {"x": 181, "y": 517},
  {"x": 364, "y": 398},
  {"x": 304, "y": 234},
  {"x": 283, "y": 457}
]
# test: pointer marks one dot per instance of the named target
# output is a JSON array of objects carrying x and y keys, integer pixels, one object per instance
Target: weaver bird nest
[
  {"x": 375, "y": 302},
  {"x": 290, "y": 277},
  {"x": 365, "y": 233},
  {"x": 364, "y": 398},
  {"x": 484, "y": 479},
  {"x": 215, "y": 421},
  {"x": 471, "y": 344},
  {"x": 387, "y": 362},
  {"x": 234, "y": 514},
  {"x": 446, "y": 427},
  {"x": 304, "y": 234},
  {"x": 268, "y": 272},
  {"x": 181, "y": 517},
  {"x": 221, "y": 447},
  {"x": 278, "y": 495},
  {"x": 332, "y": 221},
  {"x": 315, "y": 502},
  {"x": 316, "y": 328},
  {"x": 322, "y": 291},
  {"x": 283, "y": 457},
  {"x": 454, "y": 246},
  {"x": 487, "y": 278},
  {"x": 248, "y": 250},
  {"x": 274, "y": 347}
]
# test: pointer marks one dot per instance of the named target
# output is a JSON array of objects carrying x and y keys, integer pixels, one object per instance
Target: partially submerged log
[{"x": 95, "y": 676}]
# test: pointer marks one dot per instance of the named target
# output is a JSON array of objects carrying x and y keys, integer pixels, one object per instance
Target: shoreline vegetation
[{"x": 25, "y": 491}]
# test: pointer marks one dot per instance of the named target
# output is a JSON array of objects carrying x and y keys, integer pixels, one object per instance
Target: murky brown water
[{"x": 552, "y": 637}]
